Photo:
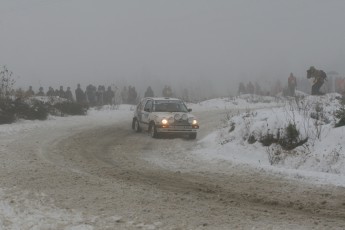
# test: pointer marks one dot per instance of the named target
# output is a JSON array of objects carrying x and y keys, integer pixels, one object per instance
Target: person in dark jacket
[
  {"x": 100, "y": 95},
  {"x": 292, "y": 83},
  {"x": 68, "y": 94},
  {"x": 132, "y": 95},
  {"x": 40, "y": 92},
  {"x": 91, "y": 94},
  {"x": 80, "y": 95},
  {"x": 62, "y": 93},
  {"x": 109, "y": 96},
  {"x": 319, "y": 79},
  {"x": 50, "y": 92}
]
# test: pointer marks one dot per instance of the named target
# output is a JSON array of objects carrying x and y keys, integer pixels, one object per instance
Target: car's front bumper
[{"x": 177, "y": 128}]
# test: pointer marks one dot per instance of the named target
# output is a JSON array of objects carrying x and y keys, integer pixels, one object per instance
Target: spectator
[
  {"x": 80, "y": 95},
  {"x": 62, "y": 93},
  {"x": 68, "y": 94},
  {"x": 50, "y": 92},
  {"x": 41, "y": 92},
  {"x": 292, "y": 83},
  {"x": 109, "y": 96}
]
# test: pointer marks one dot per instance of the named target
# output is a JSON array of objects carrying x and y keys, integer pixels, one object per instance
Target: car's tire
[
  {"x": 153, "y": 131},
  {"x": 192, "y": 136},
  {"x": 137, "y": 127}
]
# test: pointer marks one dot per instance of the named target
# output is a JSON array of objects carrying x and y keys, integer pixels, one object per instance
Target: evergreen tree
[
  {"x": 241, "y": 89},
  {"x": 149, "y": 92}
]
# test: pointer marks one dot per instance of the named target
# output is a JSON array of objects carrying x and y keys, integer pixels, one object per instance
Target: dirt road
[{"x": 116, "y": 179}]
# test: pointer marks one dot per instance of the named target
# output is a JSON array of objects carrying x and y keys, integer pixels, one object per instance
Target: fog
[{"x": 204, "y": 45}]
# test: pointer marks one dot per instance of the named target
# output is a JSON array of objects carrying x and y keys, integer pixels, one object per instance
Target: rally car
[{"x": 159, "y": 115}]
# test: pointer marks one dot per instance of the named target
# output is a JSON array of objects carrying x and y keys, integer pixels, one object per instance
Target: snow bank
[
  {"x": 104, "y": 114},
  {"x": 321, "y": 157},
  {"x": 245, "y": 101}
]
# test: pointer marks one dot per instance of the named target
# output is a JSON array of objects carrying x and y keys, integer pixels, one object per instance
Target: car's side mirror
[{"x": 189, "y": 110}]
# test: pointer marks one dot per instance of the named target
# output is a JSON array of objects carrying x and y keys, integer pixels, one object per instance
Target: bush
[
  {"x": 341, "y": 99},
  {"x": 340, "y": 114},
  {"x": 36, "y": 111},
  {"x": 7, "y": 115},
  {"x": 291, "y": 133},
  {"x": 6, "y": 82},
  {"x": 70, "y": 108},
  {"x": 291, "y": 138},
  {"x": 288, "y": 141},
  {"x": 18, "y": 109},
  {"x": 251, "y": 139},
  {"x": 268, "y": 139}
]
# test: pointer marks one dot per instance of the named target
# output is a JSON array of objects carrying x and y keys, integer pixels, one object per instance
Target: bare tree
[{"x": 6, "y": 82}]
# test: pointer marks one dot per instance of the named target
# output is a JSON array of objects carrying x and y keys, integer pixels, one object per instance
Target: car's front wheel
[{"x": 153, "y": 131}]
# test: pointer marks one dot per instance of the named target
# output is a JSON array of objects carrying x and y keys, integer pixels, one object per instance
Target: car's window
[
  {"x": 169, "y": 106},
  {"x": 148, "y": 106}
]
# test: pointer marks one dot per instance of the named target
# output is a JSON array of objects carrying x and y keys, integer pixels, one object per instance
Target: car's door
[
  {"x": 140, "y": 110},
  {"x": 146, "y": 112}
]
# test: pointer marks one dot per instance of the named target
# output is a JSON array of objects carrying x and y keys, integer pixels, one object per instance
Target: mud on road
[{"x": 112, "y": 176}]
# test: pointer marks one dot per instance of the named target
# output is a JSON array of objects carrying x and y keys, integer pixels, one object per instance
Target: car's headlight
[
  {"x": 194, "y": 122},
  {"x": 164, "y": 121}
]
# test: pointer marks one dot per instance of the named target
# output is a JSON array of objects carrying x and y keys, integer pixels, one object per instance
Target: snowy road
[{"x": 99, "y": 174}]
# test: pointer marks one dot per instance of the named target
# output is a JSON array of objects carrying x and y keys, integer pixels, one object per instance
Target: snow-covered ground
[
  {"x": 320, "y": 160},
  {"x": 24, "y": 210},
  {"x": 322, "y": 157},
  {"x": 245, "y": 101}
]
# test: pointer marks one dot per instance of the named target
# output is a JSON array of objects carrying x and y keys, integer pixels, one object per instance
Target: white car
[{"x": 164, "y": 115}]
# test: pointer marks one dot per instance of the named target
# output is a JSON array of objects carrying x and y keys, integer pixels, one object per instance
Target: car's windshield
[{"x": 169, "y": 106}]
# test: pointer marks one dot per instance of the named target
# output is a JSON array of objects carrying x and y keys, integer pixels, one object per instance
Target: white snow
[
  {"x": 320, "y": 160},
  {"x": 245, "y": 101},
  {"x": 20, "y": 212},
  {"x": 105, "y": 114}
]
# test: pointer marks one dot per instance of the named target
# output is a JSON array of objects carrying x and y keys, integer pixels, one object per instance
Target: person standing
[
  {"x": 319, "y": 79},
  {"x": 292, "y": 84},
  {"x": 80, "y": 95},
  {"x": 62, "y": 93},
  {"x": 109, "y": 96},
  {"x": 51, "y": 92},
  {"x": 91, "y": 94},
  {"x": 68, "y": 94},
  {"x": 41, "y": 92}
]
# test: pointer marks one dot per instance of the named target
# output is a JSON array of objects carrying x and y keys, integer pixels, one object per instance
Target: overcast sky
[{"x": 211, "y": 42}]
